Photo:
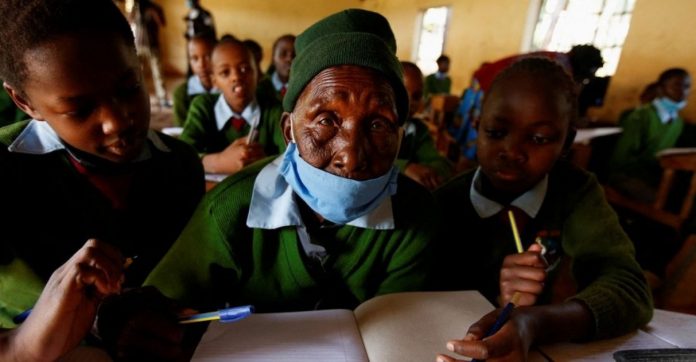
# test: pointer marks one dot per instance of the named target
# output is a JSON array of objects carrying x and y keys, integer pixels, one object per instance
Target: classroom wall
[
  {"x": 479, "y": 30},
  {"x": 263, "y": 21}
]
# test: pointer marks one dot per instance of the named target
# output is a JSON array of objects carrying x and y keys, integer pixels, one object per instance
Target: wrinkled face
[
  {"x": 677, "y": 88},
  {"x": 235, "y": 74},
  {"x": 89, "y": 89},
  {"x": 345, "y": 123},
  {"x": 283, "y": 54},
  {"x": 199, "y": 59},
  {"x": 522, "y": 131},
  {"x": 413, "y": 80}
]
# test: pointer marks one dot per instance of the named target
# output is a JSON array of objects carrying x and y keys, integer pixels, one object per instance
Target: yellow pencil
[{"x": 515, "y": 233}]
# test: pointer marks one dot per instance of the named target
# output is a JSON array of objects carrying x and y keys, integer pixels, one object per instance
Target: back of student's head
[
  {"x": 28, "y": 24},
  {"x": 671, "y": 73},
  {"x": 547, "y": 73},
  {"x": 585, "y": 59}
]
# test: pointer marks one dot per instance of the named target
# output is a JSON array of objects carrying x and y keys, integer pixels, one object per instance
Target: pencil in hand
[{"x": 223, "y": 315}]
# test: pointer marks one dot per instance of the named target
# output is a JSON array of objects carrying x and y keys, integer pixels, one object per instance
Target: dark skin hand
[
  {"x": 523, "y": 273},
  {"x": 527, "y": 326}
]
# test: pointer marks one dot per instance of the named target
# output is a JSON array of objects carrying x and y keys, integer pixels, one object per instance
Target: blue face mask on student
[
  {"x": 338, "y": 199},
  {"x": 671, "y": 106}
]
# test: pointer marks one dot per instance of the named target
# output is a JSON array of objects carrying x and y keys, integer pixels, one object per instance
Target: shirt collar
[
  {"x": 223, "y": 113},
  {"x": 277, "y": 83},
  {"x": 530, "y": 202},
  {"x": 39, "y": 138},
  {"x": 664, "y": 115},
  {"x": 440, "y": 75},
  {"x": 195, "y": 86},
  {"x": 273, "y": 204}
]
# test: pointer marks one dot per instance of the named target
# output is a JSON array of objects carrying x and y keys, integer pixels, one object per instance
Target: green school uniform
[
  {"x": 219, "y": 259},
  {"x": 9, "y": 113},
  {"x": 643, "y": 136},
  {"x": 417, "y": 146},
  {"x": 202, "y": 133},
  {"x": 182, "y": 101},
  {"x": 51, "y": 210},
  {"x": 576, "y": 218},
  {"x": 434, "y": 85}
]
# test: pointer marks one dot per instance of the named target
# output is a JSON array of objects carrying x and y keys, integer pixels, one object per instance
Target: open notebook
[
  {"x": 406, "y": 327},
  {"x": 395, "y": 327}
]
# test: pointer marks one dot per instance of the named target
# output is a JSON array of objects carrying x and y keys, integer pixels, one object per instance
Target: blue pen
[
  {"x": 21, "y": 317},
  {"x": 224, "y": 315}
]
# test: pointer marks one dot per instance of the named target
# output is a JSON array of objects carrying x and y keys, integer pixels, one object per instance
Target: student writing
[{"x": 587, "y": 284}]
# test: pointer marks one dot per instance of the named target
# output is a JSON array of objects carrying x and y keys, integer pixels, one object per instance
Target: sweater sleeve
[
  {"x": 181, "y": 104},
  {"x": 610, "y": 281},
  {"x": 195, "y": 132},
  {"x": 629, "y": 147}
]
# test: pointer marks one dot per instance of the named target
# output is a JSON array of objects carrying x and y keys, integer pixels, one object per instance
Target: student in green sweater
[
  {"x": 439, "y": 82},
  {"x": 218, "y": 126},
  {"x": 578, "y": 278},
  {"x": 331, "y": 222},
  {"x": 647, "y": 130},
  {"x": 418, "y": 158},
  {"x": 275, "y": 83},
  {"x": 85, "y": 181},
  {"x": 200, "y": 47}
]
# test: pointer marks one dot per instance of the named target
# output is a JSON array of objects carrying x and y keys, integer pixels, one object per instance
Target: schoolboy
[{"x": 439, "y": 82}]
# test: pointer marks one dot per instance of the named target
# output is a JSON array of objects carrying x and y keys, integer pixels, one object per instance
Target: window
[
  {"x": 603, "y": 23},
  {"x": 431, "y": 38}
]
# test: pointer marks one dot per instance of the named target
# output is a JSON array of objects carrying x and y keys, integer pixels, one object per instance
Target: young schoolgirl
[
  {"x": 276, "y": 81},
  {"x": 218, "y": 126},
  {"x": 578, "y": 278},
  {"x": 418, "y": 158},
  {"x": 200, "y": 82},
  {"x": 85, "y": 166}
]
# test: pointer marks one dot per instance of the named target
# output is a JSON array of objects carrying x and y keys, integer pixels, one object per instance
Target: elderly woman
[{"x": 331, "y": 222}]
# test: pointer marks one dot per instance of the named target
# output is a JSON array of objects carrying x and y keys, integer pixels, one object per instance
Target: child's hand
[
  {"x": 424, "y": 175},
  {"x": 510, "y": 343},
  {"x": 239, "y": 154},
  {"x": 524, "y": 273},
  {"x": 141, "y": 324},
  {"x": 65, "y": 311}
]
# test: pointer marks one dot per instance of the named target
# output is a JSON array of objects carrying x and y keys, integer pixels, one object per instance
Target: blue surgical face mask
[
  {"x": 671, "y": 106},
  {"x": 337, "y": 199}
]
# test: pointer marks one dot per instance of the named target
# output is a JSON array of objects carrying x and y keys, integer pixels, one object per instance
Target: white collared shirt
[
  {"x": 195, "y": 86},
  {"x": 39, "y": 138},
  {"x": 530, "y": 202},
  {"x": 277, "y": 83},
  {"x": 223, "y": 112},
  {"x": 273, "y": 206},
  {"x": 664, "y": 115}
]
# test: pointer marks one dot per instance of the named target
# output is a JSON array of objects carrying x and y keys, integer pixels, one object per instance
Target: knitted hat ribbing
[{"x": 350, "y": 37}]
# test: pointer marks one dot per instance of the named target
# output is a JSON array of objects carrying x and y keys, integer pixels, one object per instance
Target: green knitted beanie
[{"x": 350, "y": 37}]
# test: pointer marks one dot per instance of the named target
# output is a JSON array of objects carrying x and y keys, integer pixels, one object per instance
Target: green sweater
[
  {"x": 201, "y": 132},
  {"x": 643, "y": 136},
  {"x": 433, "y": 85},
  {"x": 598, "y": 254},
  {"x": 266, "y": 89},
  {"x": 182, "y": 101},
  {"x": 51, "y": 210},
  {"x": 218, "y": 259},
  {"x": 418, "y": 147},
  {"x": 9, "y": 113}
]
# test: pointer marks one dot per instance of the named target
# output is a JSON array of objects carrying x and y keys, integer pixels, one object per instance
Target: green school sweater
[
  {"x": 575, "y": 215},
  {"x": 51, "y": 210},
  {"x": 266, "y": 89},
  {"x": 418, "y": 147},
  {"x": 182, "y": 101},
  {"x": 218, "y": 259},
  {"x": 201, "y": 132},
  {"x": 9, "y": 112},
  {"x": 433, "y": 85},
  {"x": 643, "y": 136}
]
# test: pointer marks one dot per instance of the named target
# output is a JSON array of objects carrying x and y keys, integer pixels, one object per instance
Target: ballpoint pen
[{"x": 223, "y": 315}]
